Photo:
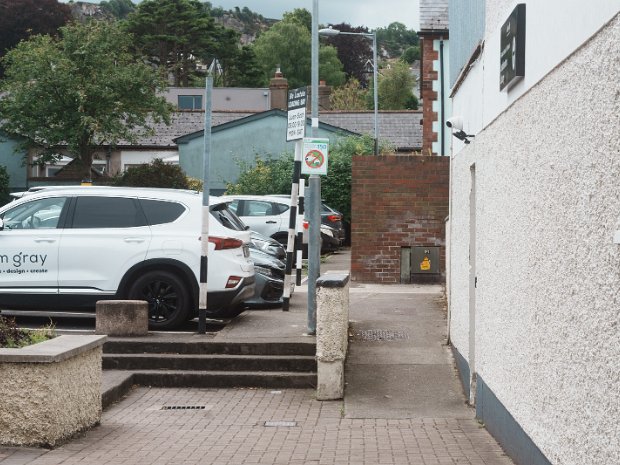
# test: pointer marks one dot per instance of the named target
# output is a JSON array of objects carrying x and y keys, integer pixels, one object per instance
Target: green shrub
[
  {"x": 264, "y": 177},
  {"x": 155, "y": 174},
  {"x": 13, "y": 337}
]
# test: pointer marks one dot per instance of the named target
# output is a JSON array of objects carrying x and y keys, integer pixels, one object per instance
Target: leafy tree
[
  {"x": 174, "y": 35},
  {"x": 355, "y": 52},
  {"x": 226, "y": 50},
  {"x": 245, "y": 70},
  {"x": 118, "y": 8},
  {"x": 300, "y": 16},
  {"x": 287, "y": 44},
  {"x": 4, "y": 185},
  {"x": 330, "y": 68},
  {"x": 20, "y": 19},
  {"x": 396, "y": 38},
  {"x": 155, "y": 174},
  {"x": 350, "y": 97},
  {"x": 411, "y": 54},
  {"x": 396, "y": 88},
  {"x": 82, "y": 90}
]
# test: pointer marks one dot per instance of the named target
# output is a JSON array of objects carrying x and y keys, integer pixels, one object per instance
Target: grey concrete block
[{"x": 122, "y": 318}]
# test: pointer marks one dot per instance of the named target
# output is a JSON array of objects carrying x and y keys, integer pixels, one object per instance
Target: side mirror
[{"x": 1, "y": 225}]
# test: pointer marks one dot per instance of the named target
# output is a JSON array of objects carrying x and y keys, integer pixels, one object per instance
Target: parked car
[
  {"x": 269, "y": 215},
  {"x": 68, "y": 248},
  {"x": 329, "y": 217},
  {"x": 269, "y": 279},
  {"x": 267, "y": 245}
]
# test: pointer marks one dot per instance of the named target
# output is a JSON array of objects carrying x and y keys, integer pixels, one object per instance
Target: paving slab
[{"x": 403, "y": 403}]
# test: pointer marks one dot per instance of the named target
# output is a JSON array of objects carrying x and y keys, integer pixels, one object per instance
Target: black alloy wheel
[{"x": 166, "y": 295}]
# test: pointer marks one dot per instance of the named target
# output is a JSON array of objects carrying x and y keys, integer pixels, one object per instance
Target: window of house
[{"x": 190, "y": 102}]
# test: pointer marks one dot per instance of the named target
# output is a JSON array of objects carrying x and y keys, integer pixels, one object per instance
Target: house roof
[
  {"x": 253, "y": 117},
  {"x": 401, "y": 128},
  {"x": 434, "y": 15}
]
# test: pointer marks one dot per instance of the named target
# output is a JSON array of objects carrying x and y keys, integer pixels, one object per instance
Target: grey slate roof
[
  {"x": 433, "y": 15},
  {"x": 183, "y": 122},
  {"x": 401, "y": 128}
]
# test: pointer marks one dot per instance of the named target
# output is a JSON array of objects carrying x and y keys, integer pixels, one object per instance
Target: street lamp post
[{"x": 330, "y": 32}]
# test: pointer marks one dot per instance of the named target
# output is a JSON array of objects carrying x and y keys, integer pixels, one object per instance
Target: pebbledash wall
[
  {"x": 534, "y": 268},
  {"x": 396, "y": 201}
]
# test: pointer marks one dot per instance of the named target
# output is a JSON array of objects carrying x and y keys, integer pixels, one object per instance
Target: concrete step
[
  {"x": 217, "y": 362},
  {"x": 147, "y": 346},
  {"x": 224, "y": 379}
]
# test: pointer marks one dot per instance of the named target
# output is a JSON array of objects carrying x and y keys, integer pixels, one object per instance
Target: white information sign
[
  {"x": 315, "y": 156},
  {"x": 296, "y": 106},
  {"x": 296, "y": 127}
]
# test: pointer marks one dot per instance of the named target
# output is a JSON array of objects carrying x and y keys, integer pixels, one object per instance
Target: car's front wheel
[{"x": 166, "y": 295}]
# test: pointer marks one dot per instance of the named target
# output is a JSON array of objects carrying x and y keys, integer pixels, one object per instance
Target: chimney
[
  {"x": 324, "y": 94},
  {"x": 278, "y": 87}
]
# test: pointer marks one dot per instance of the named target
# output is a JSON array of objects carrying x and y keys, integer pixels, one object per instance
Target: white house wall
[
  {"x": 554, "y": 29},
  {"x": 548, "y": 205}
]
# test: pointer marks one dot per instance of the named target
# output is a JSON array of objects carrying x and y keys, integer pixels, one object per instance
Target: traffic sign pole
[{"x": 295, "y": 130}]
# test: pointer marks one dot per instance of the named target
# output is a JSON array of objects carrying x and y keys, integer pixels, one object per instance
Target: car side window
[
  {"x": 257, "y": 208},
  {"x": 234, "y": 205},
  {"x": 107, "y": 212},
  {"x": 38, "y": 214},
  {"x": 160, "y": 211},
  {"x": 279, "y": 208}
]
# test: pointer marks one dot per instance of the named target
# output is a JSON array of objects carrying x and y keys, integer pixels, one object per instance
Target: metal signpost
[
  {"x": 295, "y": 130},
  {"x": 314, "y": 184},
  {"x": 204, "y": 237}
]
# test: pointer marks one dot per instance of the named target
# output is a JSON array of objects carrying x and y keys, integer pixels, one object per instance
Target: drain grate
[
  {"x": 381, "y": 335},
  {"x": 184, "y": 407},
  {"x": 286, "y": 424}
]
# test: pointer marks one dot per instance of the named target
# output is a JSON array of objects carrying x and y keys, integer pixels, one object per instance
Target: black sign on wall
[{"x": 512, "y": 48}]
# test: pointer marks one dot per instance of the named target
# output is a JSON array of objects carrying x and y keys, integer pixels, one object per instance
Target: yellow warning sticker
[{"x": 426, "y": 264}]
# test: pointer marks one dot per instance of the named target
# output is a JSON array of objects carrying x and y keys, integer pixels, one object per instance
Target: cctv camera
[{"x": 456, "y": 122}]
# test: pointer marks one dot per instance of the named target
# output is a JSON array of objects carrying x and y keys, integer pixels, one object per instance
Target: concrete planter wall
[{"x": 50, "y": 391}]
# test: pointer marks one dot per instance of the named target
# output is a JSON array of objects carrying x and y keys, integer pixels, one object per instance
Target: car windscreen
[{"x": 227, "y": 218}]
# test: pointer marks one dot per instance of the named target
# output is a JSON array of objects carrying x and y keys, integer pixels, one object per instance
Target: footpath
[{"x": 403, "y": 402}]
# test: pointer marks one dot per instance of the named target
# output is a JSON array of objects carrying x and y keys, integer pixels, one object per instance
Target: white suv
[{"x": 67, "y": 248}]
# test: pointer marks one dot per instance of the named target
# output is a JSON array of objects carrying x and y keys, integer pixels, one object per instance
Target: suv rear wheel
[{"x": 167, "y": 296}]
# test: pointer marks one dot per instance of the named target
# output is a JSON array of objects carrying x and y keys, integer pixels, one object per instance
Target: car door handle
[
  {"x": 45, "y": 239},
  {"x": 136, "y": 240},
  {"x": 271, "y": 222}
]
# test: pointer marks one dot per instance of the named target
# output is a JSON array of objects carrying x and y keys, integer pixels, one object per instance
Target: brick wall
[
  {"x": 396, "y": 201},
  {"x": 428, "y": 75}
]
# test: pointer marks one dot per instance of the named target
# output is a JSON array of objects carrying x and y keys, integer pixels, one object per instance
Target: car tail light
[
  {"x": 233, "y": 281},
  {"x": 306, "y": 224},
  {"x": 333, "y": 218},
  {"x": 222, "y": 243}
]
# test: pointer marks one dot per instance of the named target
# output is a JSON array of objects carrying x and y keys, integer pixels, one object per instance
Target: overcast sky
[{"x": 370, "y": 13}]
